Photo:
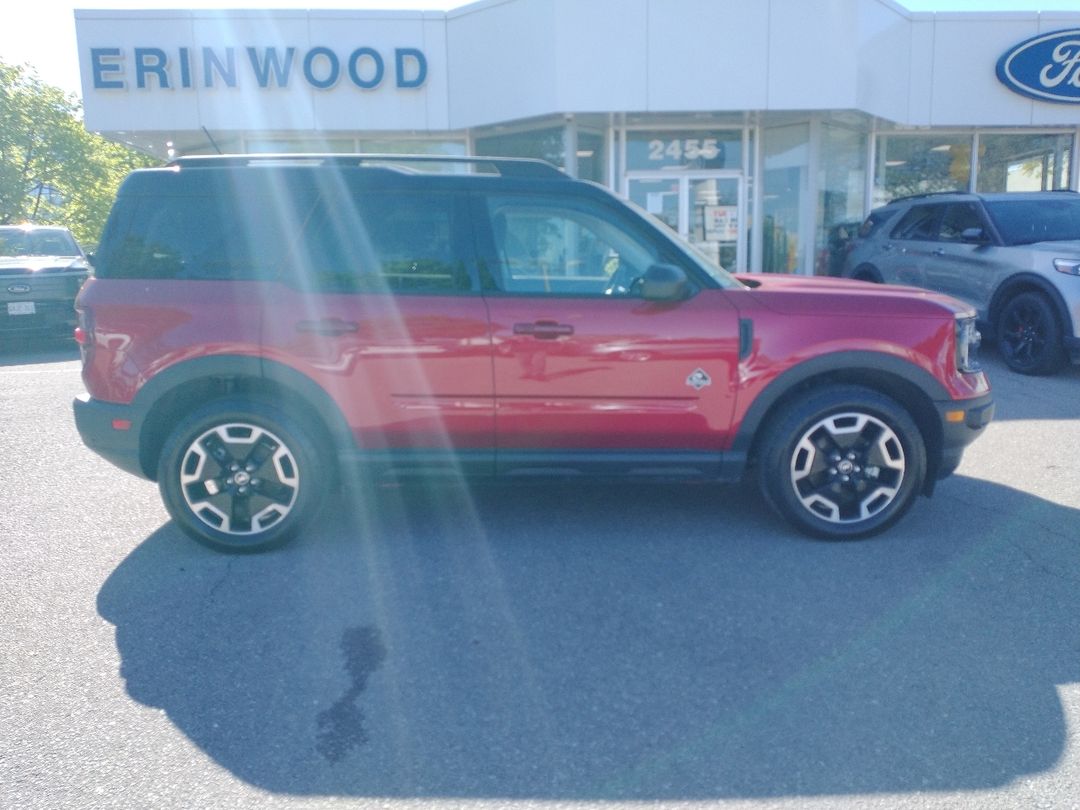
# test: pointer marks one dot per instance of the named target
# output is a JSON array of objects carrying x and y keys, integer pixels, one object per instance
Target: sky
[{"x": 44, "y": 38}]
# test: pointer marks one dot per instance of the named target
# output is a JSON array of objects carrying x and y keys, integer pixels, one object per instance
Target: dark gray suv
[{"x": 1015, "y": 257}]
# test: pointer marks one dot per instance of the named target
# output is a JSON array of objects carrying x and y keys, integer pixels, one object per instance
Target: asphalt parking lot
[{"x": 556, "y": 645}]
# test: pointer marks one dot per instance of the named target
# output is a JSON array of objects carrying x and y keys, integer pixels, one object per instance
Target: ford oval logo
[
  {"x": 1045, "y": 67},
  {"x": 18, "y": 289}
]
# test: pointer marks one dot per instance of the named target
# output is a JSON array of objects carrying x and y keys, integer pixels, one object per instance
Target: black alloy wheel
[{"x": 1028, "y": 335}]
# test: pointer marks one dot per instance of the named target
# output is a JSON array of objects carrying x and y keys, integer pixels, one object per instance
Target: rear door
[
  {"x": 380, "y": 305},
  {"x": 911, "y": 243},
  {"x": 586, "y": 371},
  {"x": 964, "y": 269}
]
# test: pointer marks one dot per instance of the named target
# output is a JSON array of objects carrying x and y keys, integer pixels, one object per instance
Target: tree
[{"x": 51, "y": 169}]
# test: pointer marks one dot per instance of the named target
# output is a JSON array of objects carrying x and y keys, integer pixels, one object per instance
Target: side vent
[{"x": 746, "y": 338}]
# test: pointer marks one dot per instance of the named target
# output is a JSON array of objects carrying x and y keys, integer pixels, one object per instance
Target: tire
[
  {"x": 239, "y": 475},
  {"x": 842, "y": 462},
  {"x": 1028, "y": 335}
]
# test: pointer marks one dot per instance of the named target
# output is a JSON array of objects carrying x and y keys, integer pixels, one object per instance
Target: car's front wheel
[
  {"x": 842, "y": 462},
  {"x": 240, "y": 475},
  {"x": 1028, "y": 335}
]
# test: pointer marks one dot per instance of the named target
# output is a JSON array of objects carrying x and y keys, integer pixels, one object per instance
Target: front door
[
  {"x": 586, "y": 369},
  {"x": 703, "y": 207}
]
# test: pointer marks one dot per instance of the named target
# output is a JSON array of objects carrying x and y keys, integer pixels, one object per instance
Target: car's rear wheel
[
  {"x": 1028, "y": 335},
  {"x": 240, "y": 475},
  {"x": 842, "y": 463}
]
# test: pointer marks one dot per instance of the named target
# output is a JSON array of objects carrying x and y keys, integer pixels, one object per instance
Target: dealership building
[{"x": 760, "y": 131}]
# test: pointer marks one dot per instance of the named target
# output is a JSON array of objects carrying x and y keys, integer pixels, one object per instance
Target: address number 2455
[{"x": 684, "y": 149}]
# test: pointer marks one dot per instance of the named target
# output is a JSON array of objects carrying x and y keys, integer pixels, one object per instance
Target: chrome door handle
[{"x": 544, "y": 330}]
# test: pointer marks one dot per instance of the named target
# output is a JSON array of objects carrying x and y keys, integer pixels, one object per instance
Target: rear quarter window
[
  {"x": 872, "y": 224},
  {"x": 207, "y": 236}
]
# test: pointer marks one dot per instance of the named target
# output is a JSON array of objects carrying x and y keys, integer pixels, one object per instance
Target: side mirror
[
  {"x": 973, "y": 236},
  {"x": 665, "y": 282}
]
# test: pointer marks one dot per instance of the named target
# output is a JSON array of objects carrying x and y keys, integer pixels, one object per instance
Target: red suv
[{"x": 258, "y": 324}]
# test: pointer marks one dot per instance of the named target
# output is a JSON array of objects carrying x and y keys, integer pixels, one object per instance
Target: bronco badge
[{"x": 699, "y": 379}]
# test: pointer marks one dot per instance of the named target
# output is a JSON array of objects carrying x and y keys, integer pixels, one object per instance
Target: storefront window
[
  {"x": 918, "y": 164},
  {"x": 787, "y": 152},
  {"x": 841, "y": 196},
  {"x": 684, "y": 149},
  {"x": 591, "y": 155},
  {"x": 1024, "y": 162},
  {"x": 404, "y": 146},
  {"x": 293, "y": 146},
  {"x": 545, "y": 144}
]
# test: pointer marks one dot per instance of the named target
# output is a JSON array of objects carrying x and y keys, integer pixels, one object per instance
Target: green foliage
[{"x": 51, "y": 169}]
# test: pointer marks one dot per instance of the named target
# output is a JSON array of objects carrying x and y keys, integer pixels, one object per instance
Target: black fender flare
[
  {"x": 872, "y": 366},
  {"x": 237, "y": 366}
]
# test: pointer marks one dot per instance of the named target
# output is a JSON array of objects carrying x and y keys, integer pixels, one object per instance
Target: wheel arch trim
[
  {"x": 820, "y": 369},
  {"x": 156, "y": 391}
]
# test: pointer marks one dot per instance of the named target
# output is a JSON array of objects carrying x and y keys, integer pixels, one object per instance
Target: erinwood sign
[
  {"x": 321, "y": 67},
  {"x": 1046, "y": 67}
]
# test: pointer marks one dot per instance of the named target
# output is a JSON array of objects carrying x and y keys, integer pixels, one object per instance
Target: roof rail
[
  {"x": 507, "y": 167},
  {"x": 925, "y": 194}
]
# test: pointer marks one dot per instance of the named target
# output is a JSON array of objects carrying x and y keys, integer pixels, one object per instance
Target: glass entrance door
[{"x": 704, "y": 207}]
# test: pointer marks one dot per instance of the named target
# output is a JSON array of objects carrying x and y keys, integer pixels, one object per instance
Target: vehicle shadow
[
  {"x": 26, "y": 351},
  {"x": 1019, "y": 396},
  {"x": 614, "y": 642}
]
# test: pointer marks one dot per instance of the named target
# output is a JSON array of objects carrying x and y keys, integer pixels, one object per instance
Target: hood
[
  {"x": 1062, "y": 247},
  {"x": 825, "y": 295}
]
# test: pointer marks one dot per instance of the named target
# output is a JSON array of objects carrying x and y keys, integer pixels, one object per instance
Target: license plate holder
[{"x": 21, "y": 308}]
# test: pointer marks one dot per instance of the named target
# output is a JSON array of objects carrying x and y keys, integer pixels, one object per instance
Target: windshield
[
  {"x": 1023, "y": 222},
  {"x": 37, "y": 242}
]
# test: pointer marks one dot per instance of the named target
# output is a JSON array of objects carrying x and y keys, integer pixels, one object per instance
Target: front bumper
[
  {"x": 962, "y": 422},
  {"x": 112, "y": 431}
]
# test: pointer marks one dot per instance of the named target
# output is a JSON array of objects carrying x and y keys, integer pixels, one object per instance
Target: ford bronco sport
[{"x": 257, "y": 324}]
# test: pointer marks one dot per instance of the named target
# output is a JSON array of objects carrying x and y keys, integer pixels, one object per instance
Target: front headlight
[
  {"x": 968, "y": 339},
  {"x": 1069, "y": 266}
]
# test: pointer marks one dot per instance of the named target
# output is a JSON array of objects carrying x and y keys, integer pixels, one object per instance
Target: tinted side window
[
  {"x": 387, "y": 241},
  {"x": 957, "y": 218},
  {"x": 206, "y": 236},
  {"x": 562, "y": 247},
  {"x": 917, "y": 223}
]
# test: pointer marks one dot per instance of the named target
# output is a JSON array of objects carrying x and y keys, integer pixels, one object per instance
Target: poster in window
[{"x": 721, "y": 223}]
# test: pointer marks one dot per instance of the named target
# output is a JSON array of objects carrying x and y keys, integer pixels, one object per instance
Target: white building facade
[{"x": 761, "y": 131}]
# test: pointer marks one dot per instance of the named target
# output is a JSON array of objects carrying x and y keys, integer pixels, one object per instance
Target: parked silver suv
[{"x": 1015, "y": 257}]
